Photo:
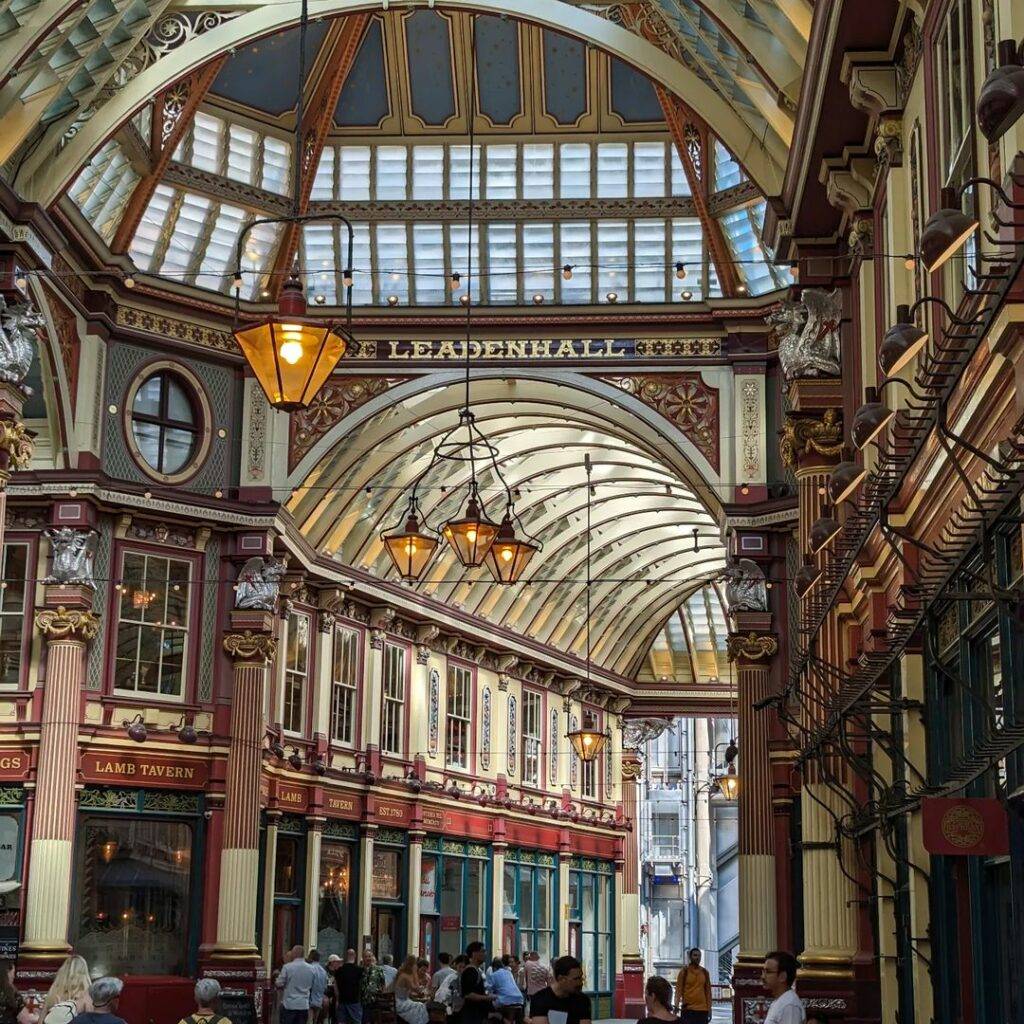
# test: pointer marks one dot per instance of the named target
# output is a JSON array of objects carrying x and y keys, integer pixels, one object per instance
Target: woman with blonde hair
[
  {"x": 409, "y": 1003},
  {"x": 69, "y": 993}
]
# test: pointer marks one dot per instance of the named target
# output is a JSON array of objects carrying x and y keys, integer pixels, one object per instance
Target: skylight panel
[
  {"x": 185, "y": 237},
  {"x": 260, "y": 245},
  {"x": 688, "y": 249},
  {"x": 354, "y": 173},
  {"x": 539, "y": 171},
  {"x": 574, "y": 237},
  {"x": 428, "y": 258},
  {"x": 393, "y": 260},
  {"x": 220, "y": 251},
  {"x": 391, "y": 172},
  {"x": 241, "y": 153},
  {"x": 103, "y": 187},
  {"x": 574, "y": 170},
  {"x": 612, "y": 168},
  {"x": 318, "y": 260},
  {"x": 612, "y": 257},
  {"x": 460, "y": 260},
  {"x": 538, "y": 271},
  {"x": 428, "y": 172},
  {"x": 680, "y": 183},
  {"x": 147, "y": 235},
  {"x": 648, "y": 168},
  {"x": 207, "y": 140},
  {"x": 458, "y": 187},
  {"x": 727, "y": 170},
  {"x": 502, "y": 283},
  {"x": 501, "y": 172},
  {"x": 323, "y": 180},
  {"x": 277, "y": 156},
  {"x": 714, "y": 285},
  {"x": 362, "y": 279},
  {"x": 649, "y": 261},
  {"x": 740, "y": 229}
]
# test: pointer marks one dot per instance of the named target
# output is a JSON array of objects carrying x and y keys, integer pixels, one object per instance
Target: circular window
[{"x": 168, "y": 422}]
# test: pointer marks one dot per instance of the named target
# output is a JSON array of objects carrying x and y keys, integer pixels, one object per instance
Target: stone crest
[
  {"x": 745, "y": 588},
  {"x": 808, "y": 333}
]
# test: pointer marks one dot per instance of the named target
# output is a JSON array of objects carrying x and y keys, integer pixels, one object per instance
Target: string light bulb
[
  {"x": 129, "y": 281},
  {"x": 681, "y": 271},
  {"x": 567, "y": 272},
  {"x": 464, "y": 299},
  {"x": 910, "y": 261},
  {"x": 21, "y": 280},
  {"x": 538, "y": 299},
  {"x": 456, "y": 280},
  {"x": 236, "y": 282},
  {"x": 612, "y": 297},
  {"x": 346, "y": 278},
  {"x": 392, "y": 300},
  {"x": 687, "y": 295}
]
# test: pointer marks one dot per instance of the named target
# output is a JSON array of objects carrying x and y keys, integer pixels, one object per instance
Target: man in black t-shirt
[
  {"x": 476, "y": 1003},
  {"x": 563, "y": 1001}
]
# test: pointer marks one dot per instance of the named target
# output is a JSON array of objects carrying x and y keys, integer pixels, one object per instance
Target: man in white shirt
[
  {"x": 777, "y": 976},
  {"x": 296, "y": 980},
  {"x": 389, "y": 970}
]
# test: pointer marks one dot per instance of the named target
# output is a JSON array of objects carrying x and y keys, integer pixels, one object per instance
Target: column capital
[
  {"x": 811, "y": 437},
  {"x": 752, "y": 646},
  {"x": 377, "y": 637},
  {"x": 63, "y": 623},
  {"x": 15, "y": 447},
  {"x": 250, "y": 646}
]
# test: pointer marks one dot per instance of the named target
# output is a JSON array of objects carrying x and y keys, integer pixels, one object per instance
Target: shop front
[
  {"x": 592, "y": 928},
  {"x": 388, "y": 894},
  {"x": 339, "y": 868},
  {"x": 455, "y": 883},
  {"x": 529, "y": 903}
]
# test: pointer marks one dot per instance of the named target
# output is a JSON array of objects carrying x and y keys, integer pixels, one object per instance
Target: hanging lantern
[
  {"x": 509, "y": 556},
  {"x": 411, "y": 547},
  {"x": 291, "y": 354},
  {"x": 471, "y": 535},
  {"x": 729, "y": 782},
  {"x": 588, "y": 742}
]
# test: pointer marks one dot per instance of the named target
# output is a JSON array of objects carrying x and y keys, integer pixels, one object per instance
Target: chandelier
[
  {"x": 475, "y": 538},
  {"x": 291, "y": 353},
  {"x": 589, "y": 741}
]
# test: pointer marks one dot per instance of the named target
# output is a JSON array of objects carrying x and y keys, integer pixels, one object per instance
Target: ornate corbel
[
  {"x": 889, "y": 142},
  {"x": 752, "y": 646},
  {"x": 15, "y": 445},
  {"x": 250, "y": 646},
  {"x": 862, "y": 236},
  {"x": 62, "y": 623}
]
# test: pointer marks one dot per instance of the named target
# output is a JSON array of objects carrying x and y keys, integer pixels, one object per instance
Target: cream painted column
[
  {"x": 751, "y": 652},
  {"x": 629, "y": 966},
  {"x": 311, "y": 917},
  {"x": 413, "y": 906},
  {"x": 323, "y": 676},
  {"x": 830, "y": 924},
  {"x": 419, "y": 723},
  {"x": 269, "y": 876},
  {"x": 564, "y": 861},
  {"x": 252, "y": 648},
  {"x": 498, "y": 898},
  {"x": 68, "y": 628},
  {"x": 365, "y": 883}
]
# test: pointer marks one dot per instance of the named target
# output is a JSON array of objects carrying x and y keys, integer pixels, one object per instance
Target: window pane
[
  {"x": 177, "y": 449},
  {"x": 648, "y": 168},
  {"x": 649, "y": 258},
  {"x": 354, "y": 172},
  {"x": 574, "y": 170},
  {"x": 132, "y": 900},
  {"x": 538, "y": 260},
  {"x": 393, "y": 259},
  {"x": 334, "y": 915},
  {"x": 575, "y": 239},
  {"x": 391, "y": 173},
  {"x": 502, "y": 280},
  {"x": 612, "y": 158},
  {"x": 501, "y": 172},
  {"x": 428, "y": 258},
  {"x": 612, "y": 244},
  {"x": 147, "y": 398},
  {"x": 459, "y": 172},
  {"x": 428, "y": 172},
  {"x": 538, "y": 171}
]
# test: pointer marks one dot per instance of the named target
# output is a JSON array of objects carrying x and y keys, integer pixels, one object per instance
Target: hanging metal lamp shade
[
  {"x": 471, "y": 535},
  {"x": 870, "y": 419},
  {"x": 509, "y": 555},
  {"x": 823, "y": 531},
  {"x": 589, "y": 741},
  {"x": 292, "y": 355},
  {"x": 410, "y": 548},
  {"x": 946, "y": 231}
]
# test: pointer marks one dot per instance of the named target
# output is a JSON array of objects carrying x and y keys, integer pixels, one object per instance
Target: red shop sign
[
  {"x": 393, "y": 813},
  {"x": 14, "y": 764},
  {"x": 293, "y": 797},
  {"x": 964, "y": 828},
  {"x": 343, "y": 805},
  {"x": 450, "y": 923},
  {"x": 136, "y": 770}
]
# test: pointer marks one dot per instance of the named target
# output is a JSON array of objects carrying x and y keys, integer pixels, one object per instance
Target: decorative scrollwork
[
  {"x": 15, "y": 443},
  {"x": 250, "y": 646},
  {"x": 62, "y": 623},
  {"x": 752, "y": 646},
  {"x": 803, "y": 435}
]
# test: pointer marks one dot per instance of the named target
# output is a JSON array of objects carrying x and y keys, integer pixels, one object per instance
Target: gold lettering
[
  {"x": 395, "y": 354},
  {"x": 446, "y": 350},
  {"x": 494, "y": 349},
  {"x": 607, "y": 347},
  {"x": 566, "y": 348},
  {"x": 421, "y": 350},
  {"x": 517, "y": 349}
]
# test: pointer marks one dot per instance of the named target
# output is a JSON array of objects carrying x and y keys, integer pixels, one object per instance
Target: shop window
[
  {"x": 532, "y": 729},
  {"x": 14, "y": 570},
  {"x": 165, "y": 422},
  {"x": 392, "y": 728},
  {"x": 344, "y": 682},
  {"x": 592, "y": 924},
  {"x": 10, "y": 861},
  {"x": 334, "y": 933},
  {"x": 296, "y": 672},
  {"x": 458, "y": 716},
  {"x": 387, "y": 879},
  {"x": 286, "y": 867},
  {"x": 152, "y": 629},
  {"x": 530, "y": 892},
  {"x": 133, "y": 880},
  {"x": 461, "y": 901}
]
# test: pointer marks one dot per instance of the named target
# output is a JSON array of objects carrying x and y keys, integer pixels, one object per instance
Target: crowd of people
[{"x": 464, "y": 989}]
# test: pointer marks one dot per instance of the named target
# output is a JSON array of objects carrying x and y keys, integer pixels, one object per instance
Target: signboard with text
[
  {"x": 974, "y": 827},
  {"x": 137, "y": 770},
  {"x": 14, "y": 765}
]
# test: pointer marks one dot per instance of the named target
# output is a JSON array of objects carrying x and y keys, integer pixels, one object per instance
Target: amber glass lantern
[
  {"x": 411, "y": 547},
  {"x": 729, "y": 782},
  {"x": 472, "y": 534},
  {"x": 509, "y": 556},
  {"x": 291, "y": 354},
  {"x": 588, "y": 742}
]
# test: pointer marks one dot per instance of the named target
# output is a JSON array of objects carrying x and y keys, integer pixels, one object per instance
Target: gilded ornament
[
  {"x": 14, "y": 440},
  {"x": 62, "y": 623},
  {"x": 803, "y": 435},
  {"x": 250, "y": 646},
  {"x": 753, "y": 646},
  {"x": 632, "y": 770}
]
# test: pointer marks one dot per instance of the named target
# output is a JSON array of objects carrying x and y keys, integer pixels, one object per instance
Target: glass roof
[{"x": 653, "y": 539}]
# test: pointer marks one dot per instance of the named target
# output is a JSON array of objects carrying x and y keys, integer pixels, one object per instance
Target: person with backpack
[
  {"x": 207, "y": 992},
  {"x": 69, "y": 992}
]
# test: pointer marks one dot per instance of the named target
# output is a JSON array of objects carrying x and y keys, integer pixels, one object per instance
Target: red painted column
[{"x": 629, "y": 984}]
